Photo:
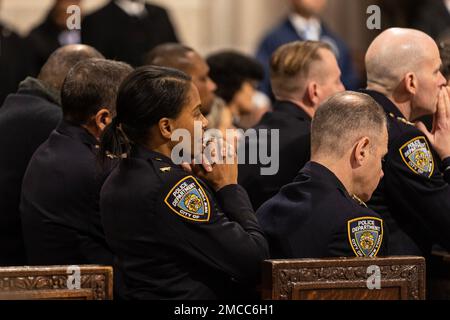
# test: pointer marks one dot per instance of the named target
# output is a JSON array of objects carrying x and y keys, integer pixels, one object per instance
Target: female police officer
[{"x": 175, "y": 235}]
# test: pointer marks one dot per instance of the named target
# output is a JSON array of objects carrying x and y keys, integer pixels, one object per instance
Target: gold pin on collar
[
  {"x": 401, "y": 119},
  {"x": 165, "y": 169},
  {"x": 360, "y": 202}
]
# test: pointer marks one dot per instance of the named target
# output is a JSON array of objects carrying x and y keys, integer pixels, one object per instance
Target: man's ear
[
  {"x": 361, "y": 150},
  {"x": 165, "y": 127},
  {"x": 102, "y": 119},
  {"x": 312, "y": 93},
  {"x": 411, "y": 83}
]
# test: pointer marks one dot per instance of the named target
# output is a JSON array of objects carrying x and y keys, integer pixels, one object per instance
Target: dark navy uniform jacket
[
  {"x": 59, "y": 205},
  {"x": 414, "y": 195},
  {"x": 174, "y": 237},
  {"x": 315, "y": 217},
  {"x": 294, "y": 127}
]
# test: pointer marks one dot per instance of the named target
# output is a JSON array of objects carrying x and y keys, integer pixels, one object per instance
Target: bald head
[
  {"x": 396, "y": 52},
  {"x": 62, "y": 60},
  {"x": 177, "y": 56},
  {"x": 171, "y": 55}
]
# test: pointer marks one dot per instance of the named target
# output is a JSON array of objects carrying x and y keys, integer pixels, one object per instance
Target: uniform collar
[
  {"x": 324, "y": 174},
  {"x": 292, "y": 109},
  {"x": 144, "y": 153},
  {"x": 388, "y": 106},
  {"x": 77, "y": 132}
]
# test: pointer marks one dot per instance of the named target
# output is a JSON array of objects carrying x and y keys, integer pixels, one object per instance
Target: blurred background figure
[
  {"x": 53, "y": 33},
  {"x": 14, "y": 60},
  {"x": 304, "y": 23},
  {"x": 177, "y": 56},
  {"x": 434, "y": 18},
  {"x": 444, "y": 49},
  {"x": 13, "y": 66},
  {"x": 126, "y": 30},
  {"x": 237, "y": 77}
]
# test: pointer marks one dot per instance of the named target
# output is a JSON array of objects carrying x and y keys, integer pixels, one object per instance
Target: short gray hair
[{"x": 343, "y": 119}]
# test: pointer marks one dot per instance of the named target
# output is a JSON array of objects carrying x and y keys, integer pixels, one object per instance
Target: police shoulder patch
[
  {"x": 189, "y": 200},
  {"x": 365, "y": 235},
  {"x": 418, "y": 157}
]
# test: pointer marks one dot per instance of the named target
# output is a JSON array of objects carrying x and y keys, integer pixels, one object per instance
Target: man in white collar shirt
[
  {"x": 126, "y": 30},
  {"x": 303, "y": 23}
]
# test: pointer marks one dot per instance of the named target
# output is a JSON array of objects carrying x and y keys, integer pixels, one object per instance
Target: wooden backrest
[
  {"x": 401, "y": 278},
  {"x": 56, "y": 283}
]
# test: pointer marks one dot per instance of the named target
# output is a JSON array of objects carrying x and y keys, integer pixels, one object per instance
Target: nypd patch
[
  {"x": 417, "y": 156},
  {"x": 365, "y": 235},
  {"x": 188, "y": 200}
]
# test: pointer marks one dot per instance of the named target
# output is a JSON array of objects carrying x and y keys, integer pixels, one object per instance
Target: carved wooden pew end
[
  {"x": 88, "y": 282},
  {"x": 393, "y": 278}
]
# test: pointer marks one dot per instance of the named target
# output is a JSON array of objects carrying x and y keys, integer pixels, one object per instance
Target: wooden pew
[
  {"x": 402, "y": 278},
  {"x": 56, "y": 283}
]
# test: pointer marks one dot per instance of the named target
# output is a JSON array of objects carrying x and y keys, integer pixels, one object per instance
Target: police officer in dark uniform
[
  {"x": 176, "y": 234},
  {"x": 299, "y": 83},
  {"x": 322, "y": 214},
  {"x": 414, "y": 195},
  {"x": 59, "y": 206}
]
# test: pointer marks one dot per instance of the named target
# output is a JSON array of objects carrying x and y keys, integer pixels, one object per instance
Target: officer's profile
[
  {"x": 176, "y": 235},
  {"x": 322, "y": 213},
  {"x": 404, "y": 77}
]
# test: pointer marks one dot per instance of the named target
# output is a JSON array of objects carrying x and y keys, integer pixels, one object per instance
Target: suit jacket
[
  {"x": 122, "y": 37},
  {"x": 285, "y": 33}
]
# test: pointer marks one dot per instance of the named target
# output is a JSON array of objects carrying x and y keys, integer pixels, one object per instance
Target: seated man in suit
[
  {"x": 322, "y": 213},
  {"x": 302, "y": 24},
  {"x": 61, "y": 188},
  {"x": 35, "y": 107},
  {"x": 303, "y": 75}
]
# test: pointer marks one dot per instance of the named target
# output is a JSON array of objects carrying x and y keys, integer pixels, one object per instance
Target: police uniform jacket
[
  {"x": 294, "y": 127},
  {"x": 60, "y": 201},
  {"x": 414, "y": 196},
  {"x": 174, "y": 237},
  {"x": 315, "y": 217}
]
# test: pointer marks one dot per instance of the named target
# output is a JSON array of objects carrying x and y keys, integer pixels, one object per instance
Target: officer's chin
[{"x": 365, "y": 197}]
